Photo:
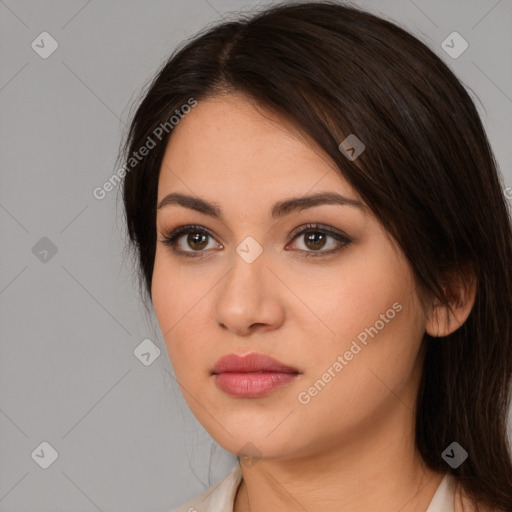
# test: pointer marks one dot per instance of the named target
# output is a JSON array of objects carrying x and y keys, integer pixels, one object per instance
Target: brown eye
[
  {"x": 197, "y": 241},
  {"x": 188, "y": 241},
  {"x": 315, "y": 240}
]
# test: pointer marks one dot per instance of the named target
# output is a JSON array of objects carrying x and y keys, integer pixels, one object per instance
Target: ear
[{"x": 460, "y": 293}]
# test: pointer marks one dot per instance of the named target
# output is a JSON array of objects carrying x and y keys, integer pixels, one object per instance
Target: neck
[{"x": 375, "y": 467}]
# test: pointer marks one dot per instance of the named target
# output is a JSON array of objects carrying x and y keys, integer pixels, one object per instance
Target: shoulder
[{"x": 217, "y": 498}]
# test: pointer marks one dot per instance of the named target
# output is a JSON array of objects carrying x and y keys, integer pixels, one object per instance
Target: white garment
[{"x": 221, "y": 497}]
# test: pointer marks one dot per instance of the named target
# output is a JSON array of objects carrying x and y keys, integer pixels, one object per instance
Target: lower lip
[{"x": 252, "y": 385}]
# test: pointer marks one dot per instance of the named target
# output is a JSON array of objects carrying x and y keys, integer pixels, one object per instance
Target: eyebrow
[{"x": 279, "y": 209}]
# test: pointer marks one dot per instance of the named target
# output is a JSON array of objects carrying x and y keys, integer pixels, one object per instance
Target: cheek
[
  {"x": 375, "y": 376},
  {"x": 372, "y": 317},
  {"x": 351, "y": 297},
  {"x": 169, "y": 297},
  {"x": 180, "y": 303}
]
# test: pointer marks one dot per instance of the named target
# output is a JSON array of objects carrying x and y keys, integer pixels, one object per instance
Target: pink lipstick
[{"x": 251, "y": 376}]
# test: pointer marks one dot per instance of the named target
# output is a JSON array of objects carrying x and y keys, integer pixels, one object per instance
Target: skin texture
[{"x": 351, "y": 447}]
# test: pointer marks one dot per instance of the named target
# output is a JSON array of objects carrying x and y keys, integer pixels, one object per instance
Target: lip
[
  {"x": 251, "y": 376},
  {"x": 253, "y": 362}
]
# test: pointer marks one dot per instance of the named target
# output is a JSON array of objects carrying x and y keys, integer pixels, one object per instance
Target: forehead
[{"x": 229, "y": 147}]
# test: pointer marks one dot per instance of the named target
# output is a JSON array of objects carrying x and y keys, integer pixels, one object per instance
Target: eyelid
[{"x": 336, "y": 233}]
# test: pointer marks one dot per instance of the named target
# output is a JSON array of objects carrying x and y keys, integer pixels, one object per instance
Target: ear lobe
[{"x": 460, "y": 296}]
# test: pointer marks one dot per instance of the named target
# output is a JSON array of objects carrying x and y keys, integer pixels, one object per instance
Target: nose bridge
[
  {"x": 246, "y": 279},
  {"x": 247, "y": 296}
]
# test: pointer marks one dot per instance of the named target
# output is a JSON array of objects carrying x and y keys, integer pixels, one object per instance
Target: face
[{"x": 320, "y": 288}]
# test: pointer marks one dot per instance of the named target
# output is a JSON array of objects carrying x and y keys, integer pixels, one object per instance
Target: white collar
[{"x": 221, "y": 497}]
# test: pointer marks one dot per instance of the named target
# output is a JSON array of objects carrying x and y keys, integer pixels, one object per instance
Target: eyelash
[{"x": 171, "y": 239}]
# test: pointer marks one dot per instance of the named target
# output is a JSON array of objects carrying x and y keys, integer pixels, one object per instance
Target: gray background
[{"x": 70, "y": 321}]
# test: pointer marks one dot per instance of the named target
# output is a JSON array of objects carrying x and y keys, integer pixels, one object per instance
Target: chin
[{"x": 257, "y": 443}]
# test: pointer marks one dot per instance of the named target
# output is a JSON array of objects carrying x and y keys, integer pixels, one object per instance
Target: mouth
[{"x": 252, "y": 376}]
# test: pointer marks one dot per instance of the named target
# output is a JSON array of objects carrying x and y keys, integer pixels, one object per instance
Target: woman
[{"x": 320, "y": 227}]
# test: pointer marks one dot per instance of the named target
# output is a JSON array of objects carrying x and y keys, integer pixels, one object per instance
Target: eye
[
  {"x": 197, "y": 239},
  {"x": 315, "y": 237}
]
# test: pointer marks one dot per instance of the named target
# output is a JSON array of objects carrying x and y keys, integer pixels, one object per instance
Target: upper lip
[{"x": 250, "y": 363}]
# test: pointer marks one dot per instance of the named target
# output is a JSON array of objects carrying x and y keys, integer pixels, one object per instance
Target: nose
[{"x": 248, "y": 298}]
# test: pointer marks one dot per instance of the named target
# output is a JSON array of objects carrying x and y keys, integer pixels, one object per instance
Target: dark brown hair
[{"x": 428, "y": 174}]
